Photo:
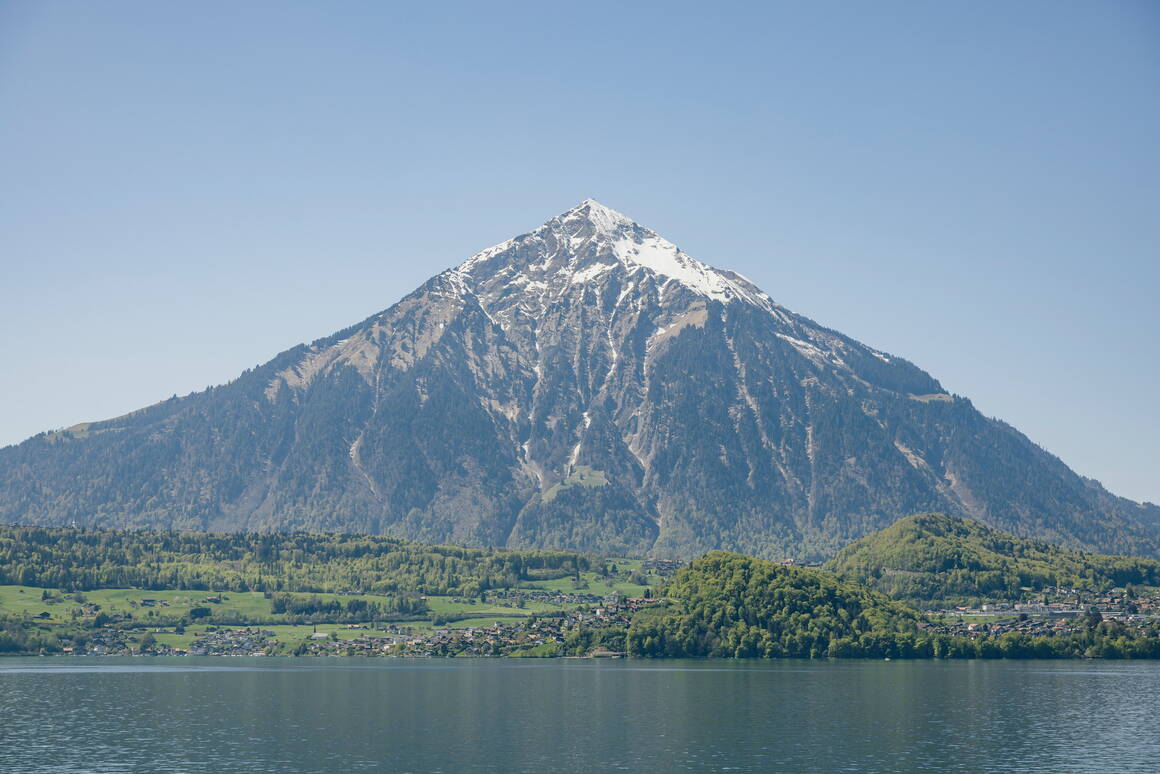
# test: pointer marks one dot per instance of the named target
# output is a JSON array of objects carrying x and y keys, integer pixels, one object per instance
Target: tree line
[{"x": 85, "y": 559}]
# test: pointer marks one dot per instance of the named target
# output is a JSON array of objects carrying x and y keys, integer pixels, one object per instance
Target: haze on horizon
[{"x": 188, "y": 191}]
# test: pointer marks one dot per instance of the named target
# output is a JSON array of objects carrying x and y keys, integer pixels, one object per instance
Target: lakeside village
[
  {"x": 1054, "y": 611},
  {"x": 542, "y": 634}
]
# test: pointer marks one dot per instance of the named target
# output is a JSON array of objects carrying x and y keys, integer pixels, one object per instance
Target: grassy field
[
  {"x": 236, "y": 608},
  {"x": 583, "y": 476},
  {"x": 592, "y": 583},
  {"x": 452, "y": 606},
  {"x": 289, "y": 636},
  {"x": 473, "y": 623},
  {"x": 165, "y": 613},
  {"x": 144, "y": 604}
]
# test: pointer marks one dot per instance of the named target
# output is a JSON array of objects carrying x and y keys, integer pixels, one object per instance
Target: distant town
[{"x": 1052, "y": 612}]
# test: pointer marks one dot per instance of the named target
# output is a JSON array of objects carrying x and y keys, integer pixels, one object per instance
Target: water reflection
[{"x": 266, "y": 715}]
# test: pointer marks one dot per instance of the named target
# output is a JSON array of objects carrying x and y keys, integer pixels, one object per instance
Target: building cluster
[
  {"x": 661, "y": 567},
  {"x": 1052, "y": 611},
  {"x": 520, "y": 596},
  {"x": 1032, "y": 627},
  {"x": 791, "y": 562},
  {"x": 543, "y": 634},
  {"x": 248, "y": 641}
]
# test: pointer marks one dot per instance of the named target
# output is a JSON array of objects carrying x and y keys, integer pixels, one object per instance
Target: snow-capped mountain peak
[
  {"x": 591, "y": 240},
  {"x": 586, "y": 385},
  {"x": 603, "y": 220}
]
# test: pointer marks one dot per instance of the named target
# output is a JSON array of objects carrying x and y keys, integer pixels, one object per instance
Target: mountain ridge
[{"x": 670, "y": 408}]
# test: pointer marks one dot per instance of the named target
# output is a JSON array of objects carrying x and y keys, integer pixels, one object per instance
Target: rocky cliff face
[{"x": 585, "y": 385}]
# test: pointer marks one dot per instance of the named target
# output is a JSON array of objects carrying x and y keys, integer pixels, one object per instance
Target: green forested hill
[
  {"x": 733, "y": 606},
  {"x": 730, "y": 605},
  {"x": 92, "y": 559},
  {"x": 933, "y": 557}
]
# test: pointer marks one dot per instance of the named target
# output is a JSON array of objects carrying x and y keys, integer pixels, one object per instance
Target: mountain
[
  {"x": 932, "y": 557},
  {"x": 585, "y": 385}
]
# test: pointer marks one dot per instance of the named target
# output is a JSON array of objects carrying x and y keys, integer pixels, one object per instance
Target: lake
[{"x": 65, "y": 715}]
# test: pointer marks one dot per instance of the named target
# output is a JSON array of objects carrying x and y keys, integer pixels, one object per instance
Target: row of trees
[
  {"x": 276, "y": 562},
  {"x": 299, "y": 606}
]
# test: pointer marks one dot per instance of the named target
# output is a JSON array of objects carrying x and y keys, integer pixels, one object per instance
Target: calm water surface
[{"x": 279, "y": 715}]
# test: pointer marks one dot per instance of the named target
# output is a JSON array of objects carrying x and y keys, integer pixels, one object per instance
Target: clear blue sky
[{"x": 187, "y": 189}]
